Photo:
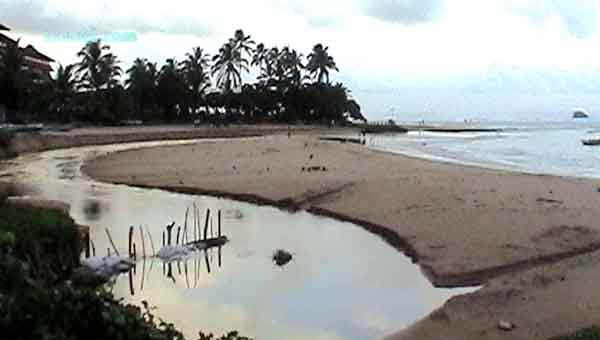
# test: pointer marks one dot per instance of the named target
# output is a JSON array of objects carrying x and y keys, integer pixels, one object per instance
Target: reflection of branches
[
  {"x": 170, "y": 272},
  {"x": 207, "y": 261},
  {"x": 182, "y": 271}
]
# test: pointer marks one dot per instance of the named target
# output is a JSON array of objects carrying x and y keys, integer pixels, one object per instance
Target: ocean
[{"x": 552, "y": 148}]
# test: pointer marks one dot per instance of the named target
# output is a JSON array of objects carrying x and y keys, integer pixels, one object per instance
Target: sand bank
[
  {"x": 463, "y": 225},
  {"x": 36, "y": 142}
]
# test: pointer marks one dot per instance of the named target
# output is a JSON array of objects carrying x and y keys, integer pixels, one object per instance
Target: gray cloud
[
  {"x": 404, "y": 11},
  {"x": 36, "y": 17}
]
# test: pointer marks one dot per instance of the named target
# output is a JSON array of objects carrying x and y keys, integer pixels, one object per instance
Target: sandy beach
[{"x": 522, "y": 236}]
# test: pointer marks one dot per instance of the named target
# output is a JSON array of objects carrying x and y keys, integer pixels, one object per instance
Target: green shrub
[
  {"x": 46, "y": 240},
  {"x": 38, "y": 249}
]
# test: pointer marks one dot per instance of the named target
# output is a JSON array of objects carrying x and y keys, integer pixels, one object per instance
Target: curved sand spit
[{"x": 530, "y": 239}]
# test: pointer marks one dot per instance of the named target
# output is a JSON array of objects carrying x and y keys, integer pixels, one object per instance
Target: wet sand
[{"x": 520, "y": 235}]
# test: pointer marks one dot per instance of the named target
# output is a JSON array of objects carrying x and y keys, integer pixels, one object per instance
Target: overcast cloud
[
  {"x": 436, "y": 59},
  {"x": 404, "y": 11}
]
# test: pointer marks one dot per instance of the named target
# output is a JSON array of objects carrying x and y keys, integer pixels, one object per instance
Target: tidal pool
[{"x": 343, "y": 282}]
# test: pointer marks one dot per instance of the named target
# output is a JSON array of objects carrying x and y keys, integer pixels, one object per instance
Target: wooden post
[
  {"x": 206, "y": 223},
  {"x": 163, "y": 243},
  {"x": 198, "y": 222},
  {"x": 219, "y": 223},
  {"x": 134, "y": 252},
  {"x": 93, "y": 247},
  {"x": 184, "y": 237},
  {"x": 195, "y": 219},
  {"x": 130, "y": 240},
  {"x": 111, "y": 242},
  {"x": 87, "y": 244},
  {"x": 169, "y": 230},
  {"x": 178, "y": 232}
]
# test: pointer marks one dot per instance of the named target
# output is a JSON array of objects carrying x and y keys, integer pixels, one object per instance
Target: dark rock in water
[
  {"x": 580, "y": 114},
  {"x": 281, "y": 257}
]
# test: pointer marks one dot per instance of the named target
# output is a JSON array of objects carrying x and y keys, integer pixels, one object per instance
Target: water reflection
[
  {"x": 343, "y": 282},
  {"x": 186, "y": 272}
]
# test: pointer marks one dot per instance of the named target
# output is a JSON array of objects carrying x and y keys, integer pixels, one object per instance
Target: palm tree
[
  {"x": 291, "y": 65},
  {"x": 242, "y": 45},
  {"x": 64, "y": 86},
  {"x": 271, "y": 68},
  {"x": 194, "y": 69},
  {"x": 141, "y": 83},
  {"x": 98, "y": 71},
  {"x": 98, "y": 68},
  {"x": 170, "y": 89},
  {"x": 225, "y": 67},
  {"x": 260, "y": 56},
  {"x": 320, "y": 62}
]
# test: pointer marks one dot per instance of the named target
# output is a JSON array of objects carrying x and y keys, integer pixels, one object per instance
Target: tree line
[{"x": 290, "y": 87}]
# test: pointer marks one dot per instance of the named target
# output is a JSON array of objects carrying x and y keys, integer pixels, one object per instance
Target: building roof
[
  {"x": 31, "y": 52},
  {"x": 6, "y": 40},
  {"x": 4, "y": 28}
]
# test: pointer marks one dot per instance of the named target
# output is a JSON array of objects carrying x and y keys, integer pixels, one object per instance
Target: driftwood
[{"x": 209, "y": 243}]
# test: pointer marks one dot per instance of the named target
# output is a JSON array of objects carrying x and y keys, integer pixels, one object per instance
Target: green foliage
[
  {"x": 592, "y": 333},
  {"x": 290, "y": 87},
  {"x": 32, "y": 307},
  {"x": 47, "y": 240},
  {"x": 31, "y": 311}
]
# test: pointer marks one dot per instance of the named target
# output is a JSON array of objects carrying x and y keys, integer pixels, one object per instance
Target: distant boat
[
  {"x": 580, "y": 115},
  {"x": 594, "y": 141}
]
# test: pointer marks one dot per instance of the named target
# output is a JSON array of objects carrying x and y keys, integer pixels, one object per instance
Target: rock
[
  {"x": 281, "y": 257},
  {"x": 505, "y": 326}
]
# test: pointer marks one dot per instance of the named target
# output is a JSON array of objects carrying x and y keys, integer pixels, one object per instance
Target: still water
[
  {"x": 553, "y": 148},
  {"x": 343, "y": 283}
]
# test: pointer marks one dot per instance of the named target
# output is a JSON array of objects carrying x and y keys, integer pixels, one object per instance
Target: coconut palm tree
[
  {"x": 267, "y": 60},
  {"x": 171, "y": 89},
  {"x": 98, "y": 71},
  {"x": 64, "y": 87},
  {"x": 242, "y": 45},
  {"x": 225, "y": 67},
  {"x": 98, "y": 68},
  {"x": 320, "y": 63},
  {"x": 141, "y": 83},
  {"x": 291, "y": 65},
  {"x": 195, "y": 72}
]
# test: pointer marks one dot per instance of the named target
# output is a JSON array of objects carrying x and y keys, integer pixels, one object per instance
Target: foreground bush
[
  {"x": 46, "y": 240},
  {"x": 38, "y": 249}
]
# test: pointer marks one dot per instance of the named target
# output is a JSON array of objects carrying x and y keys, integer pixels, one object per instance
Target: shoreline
[
  {"x": 469, "y": 279},
  {"x": 440, "y": 280},
  {"x": 22, "y": 143},
  {"x": 497, "y": 279}
]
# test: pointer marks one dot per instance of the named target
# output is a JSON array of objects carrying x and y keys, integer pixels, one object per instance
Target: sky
[{"x": 435, "y": 60}]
